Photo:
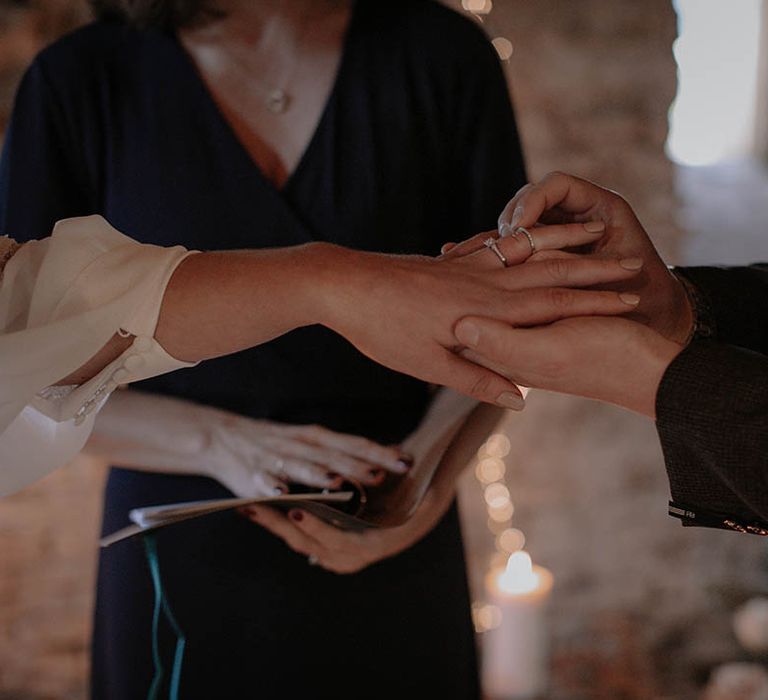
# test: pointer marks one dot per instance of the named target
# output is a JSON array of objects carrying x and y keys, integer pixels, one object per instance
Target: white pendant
[{"x": 277, "y": 101}]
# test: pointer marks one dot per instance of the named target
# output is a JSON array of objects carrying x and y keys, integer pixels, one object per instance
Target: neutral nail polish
[
  {"x": 630, "y": 299},
  {"x": 594, "y": 226},
  {"x": 517, "y": 215},
  {"x": 511, "y": 400},
  {"x": 278, "y": 490},
  {"x": 504, "y": 230},
  {"x": 631, "y": 263},
  {"x": 468, "y": 333}
]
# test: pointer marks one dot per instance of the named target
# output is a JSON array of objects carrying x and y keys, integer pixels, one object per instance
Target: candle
[{"x": 515, "y": 652}]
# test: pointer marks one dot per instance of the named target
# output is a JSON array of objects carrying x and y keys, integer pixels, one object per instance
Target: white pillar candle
[{"x": 516, "y": 652}]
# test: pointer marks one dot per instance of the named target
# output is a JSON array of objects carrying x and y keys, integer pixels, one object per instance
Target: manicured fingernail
[
  {"x": 511, "y": 400},
  {"x": 297, "y": 515},
  {"x": 594, "y": 226},
  {"x": 446, "y": 247},
  {"x": 468, "y": 333},
  {"x": 278, "y": 490},
  {"x": 504, "y": 230},
  {"x": 631, "y": 263},
  {"x": 517, "y": 215},
  {"x": 630, "y": 299}
]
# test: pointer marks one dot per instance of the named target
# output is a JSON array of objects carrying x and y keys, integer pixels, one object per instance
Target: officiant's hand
[
  {"x": 257, "y": 457},
  {"x": 250, "y": 457},
  {"x": 564, "y": 199},
  {"x": 345, "y": 552}
]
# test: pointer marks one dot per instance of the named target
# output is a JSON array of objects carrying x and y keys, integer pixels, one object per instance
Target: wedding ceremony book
[{"x": 445, "y": 442}]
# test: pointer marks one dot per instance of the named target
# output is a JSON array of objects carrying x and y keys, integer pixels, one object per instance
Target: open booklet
[{"x": 442, "y": 446}]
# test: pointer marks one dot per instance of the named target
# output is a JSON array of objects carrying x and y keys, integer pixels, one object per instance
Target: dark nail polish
[{"x": 297, "y": 515}]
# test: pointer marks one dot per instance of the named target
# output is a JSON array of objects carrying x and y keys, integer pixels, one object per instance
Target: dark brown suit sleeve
[{"x": 712, "y": 407}]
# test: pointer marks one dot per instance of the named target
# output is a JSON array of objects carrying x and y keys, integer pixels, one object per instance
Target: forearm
[
  {"x": 133, "y": 427},
  {"x": 218, "y": 303}
]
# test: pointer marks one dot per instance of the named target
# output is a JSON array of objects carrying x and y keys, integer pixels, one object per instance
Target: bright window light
[{"x": 712, "y": 117}]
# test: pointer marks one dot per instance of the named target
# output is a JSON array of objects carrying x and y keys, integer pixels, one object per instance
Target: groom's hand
[
  {"x": 610, "y": 359},
  {"x": 560, "y": 198}
]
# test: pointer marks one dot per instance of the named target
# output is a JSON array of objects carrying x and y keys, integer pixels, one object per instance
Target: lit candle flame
[{"x": 519, "y": 576}]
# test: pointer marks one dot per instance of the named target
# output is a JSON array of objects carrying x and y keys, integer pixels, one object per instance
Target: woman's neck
[{"x": 248, "y": 21}]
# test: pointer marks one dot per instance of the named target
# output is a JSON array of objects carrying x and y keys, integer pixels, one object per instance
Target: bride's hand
[
  {"x": 260, "y": 458},
  {"x": 564, "y": 199},
  {"x": 401, "y": 311}
]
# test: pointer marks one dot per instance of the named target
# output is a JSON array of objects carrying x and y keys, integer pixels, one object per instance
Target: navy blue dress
[{"x": 417, "y": 145}]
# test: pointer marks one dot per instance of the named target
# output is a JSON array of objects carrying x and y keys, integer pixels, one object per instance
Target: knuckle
[
  {"x": 558, "y": 269},
  {"x": 481, "y": 386},
  {"x": 561, "y": 298}
]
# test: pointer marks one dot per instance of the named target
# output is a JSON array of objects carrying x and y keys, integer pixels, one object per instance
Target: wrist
[
  {"x": 681, "y": 322},
  {"x": 657, "y": 355},
  {"x": 333, "y": 280}
]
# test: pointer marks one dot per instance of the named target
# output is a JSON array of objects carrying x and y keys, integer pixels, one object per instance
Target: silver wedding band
[
  {"x": 490, "y": 243},
  {"x": 528, "y": 235}
]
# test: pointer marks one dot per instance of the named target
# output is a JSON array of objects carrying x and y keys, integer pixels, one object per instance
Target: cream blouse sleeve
[{"x": 61, "y": 300}]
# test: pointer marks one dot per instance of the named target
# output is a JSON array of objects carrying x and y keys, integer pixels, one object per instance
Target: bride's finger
[
  {"x": 576, "y": 271},
  {"x": 520, "y": 246},
  {"x": 467, "y": 247},
  {"x": 534, "y": 307}
]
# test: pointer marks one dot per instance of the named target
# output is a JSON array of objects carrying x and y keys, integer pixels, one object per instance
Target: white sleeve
[{"x": 61, "y": 300}]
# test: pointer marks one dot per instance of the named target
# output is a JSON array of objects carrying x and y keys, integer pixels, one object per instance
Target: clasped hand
[{"x": 618, "y": 360}]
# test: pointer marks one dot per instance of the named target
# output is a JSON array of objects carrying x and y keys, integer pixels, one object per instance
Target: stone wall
[{"x": 641, "y": 606}]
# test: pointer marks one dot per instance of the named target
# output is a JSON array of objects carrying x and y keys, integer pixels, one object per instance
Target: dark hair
[{"x": 163, "y": 14}]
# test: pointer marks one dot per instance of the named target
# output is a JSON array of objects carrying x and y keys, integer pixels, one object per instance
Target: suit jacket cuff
[{"x": 712, "y": 419}]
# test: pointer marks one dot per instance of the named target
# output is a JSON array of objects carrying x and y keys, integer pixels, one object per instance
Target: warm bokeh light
[
  {"x": 503, "y": 47},
  {"x": 497, "y": 445},
  {"x": 489, "y": 470},
  {"x": 497, "y": 495},
  {"x": 510, "y": 540},
  {"x": 477, "y": 7},
  {"x": 485, "y": 617},
  {"x": 502, "y": 513}
]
